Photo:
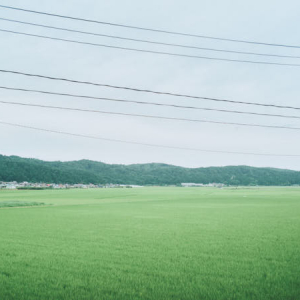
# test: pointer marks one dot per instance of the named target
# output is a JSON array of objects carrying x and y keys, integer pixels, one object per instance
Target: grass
[
  {"x": 151, "y": 243},
  {"x": 16, "y": 203}
]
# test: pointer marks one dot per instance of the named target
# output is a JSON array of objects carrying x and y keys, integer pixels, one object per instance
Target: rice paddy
[{"x": 151, "y": 243}]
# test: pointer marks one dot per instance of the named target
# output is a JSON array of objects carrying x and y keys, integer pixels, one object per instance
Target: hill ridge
[{"x": 15, "y": 168}]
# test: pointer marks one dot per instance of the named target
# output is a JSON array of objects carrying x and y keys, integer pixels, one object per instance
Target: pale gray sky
[{"x": 269, "y": 21}]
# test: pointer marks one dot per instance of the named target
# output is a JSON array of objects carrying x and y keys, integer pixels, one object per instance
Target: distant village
[
  {"x": 217, "y": 185},
  {"x": 40, "y": 186},
  {"x": 28, "y": 185}
]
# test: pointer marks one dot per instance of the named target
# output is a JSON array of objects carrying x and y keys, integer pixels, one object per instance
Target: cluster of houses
[
  {"x": 28, "y": 185},
  {"x": 217, "y": 185}
]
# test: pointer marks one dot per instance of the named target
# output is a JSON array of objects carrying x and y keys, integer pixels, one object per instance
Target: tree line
[{"x": 13, "y": 168}]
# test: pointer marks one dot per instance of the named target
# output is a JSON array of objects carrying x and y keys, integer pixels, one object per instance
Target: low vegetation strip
[{"x": 7, "y": 204}]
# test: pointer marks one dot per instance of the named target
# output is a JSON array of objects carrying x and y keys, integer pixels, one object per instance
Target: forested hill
[{"x": 13, "y": 168}]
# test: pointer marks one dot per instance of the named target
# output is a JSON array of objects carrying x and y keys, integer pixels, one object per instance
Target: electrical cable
[
  {"x": 150, "y": 51},
  {"x": 149, "y": 41},
  {"x": 149, "y": 29}
]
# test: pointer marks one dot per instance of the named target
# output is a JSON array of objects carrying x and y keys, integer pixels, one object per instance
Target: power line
[
  {"x": 150, "y": 51},
  {"x": 148, "y": 91},
  {"x": 150, "y": 29},
  {"x": 151, "y": 116},
  {"x": 146, "y": 103},
  {"x": 149, "y": 41},
  {"x": 145, "y": 144}
]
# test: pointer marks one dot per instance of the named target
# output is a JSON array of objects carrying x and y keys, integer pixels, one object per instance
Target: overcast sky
[{"x": 266, "y": 21}]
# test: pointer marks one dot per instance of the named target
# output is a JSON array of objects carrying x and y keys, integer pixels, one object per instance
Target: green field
[{"x": 151, "y": 243}]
